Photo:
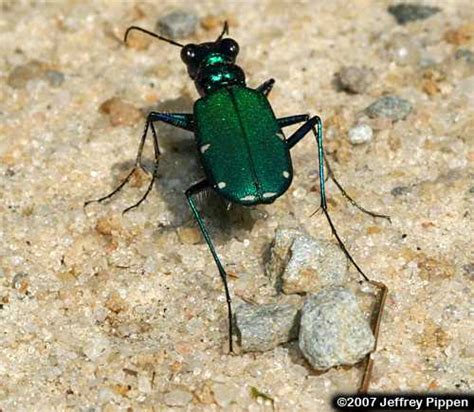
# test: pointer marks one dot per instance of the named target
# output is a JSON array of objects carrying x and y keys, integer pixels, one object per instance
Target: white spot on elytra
[
  {"x": 269, "y": 194},
  {"x": 205, "y": 147},
  {"x": 247, "y": 198},
  {"x": 280, "y": 136},
  {"x": 221, "y": 185},
  {"x": 286, "y": 174}
]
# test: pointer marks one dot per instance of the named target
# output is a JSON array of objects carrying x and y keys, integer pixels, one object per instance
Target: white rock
[{"x": 361, "y": 134}]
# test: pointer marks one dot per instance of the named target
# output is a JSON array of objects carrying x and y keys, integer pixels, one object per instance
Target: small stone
[
  {"x": 120, "y": 113},
  {"x": 408, "y": 12},
  {"x": 177, "y": 24},
  {"x": 205, "y": 394},
  {"x": 333, "y": 330},
  {"x": 144, "y": 384},
  {"x": 468, "y": 270},
  {"x": 55, "y": 78},
  {"x": 189, "y": 235},
  {"x": 354, "y": 79},
  {"x": 19, "y": 280},
  {"x": 313, "y": 264},
  {"x": 360, "y": 134},
  {"x": 400, "y": 190},
  {"x": 108, "y": 225},
  {"x": 389, "y": 107},
  {"x": 403, "y": 50},
  {"x": 430, "y": 87},
  {"x": 280, "y": 251},
  {"x": 211, "y": 22},
  {"x": 115, "y": 303},
  {"x": 137, "y": 40},
  {"x": 464, "y": 55},
  {"x": 460, "y": 35},
  {"x": 121, "y": 389},
  {"x": 178, "y": 397},
  {"x": 261, "y": 328},
  {"x": 21, "y": 75}
]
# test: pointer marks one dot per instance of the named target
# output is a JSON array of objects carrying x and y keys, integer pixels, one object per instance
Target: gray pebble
[
  {"x": 465, "y": 55},
  {"x": 468, "y": 270},
  {"x": 333, "y": 330},
  {"x": 313, "y": 264},
  {"x": 354, "y": 79},
  {"x": 408, "y": 12},
  {"x": 360, "y": 134},
  {"x": 18, "y": 279},
  {"x": 280, "y": 253},
  {"x": 400, "y": 190},
  {"x": 390, "y": 107},
  {"x": 177, "y": 24},
  {"x": 55, "y": 78},
  {"x": 261, "y": 328}
]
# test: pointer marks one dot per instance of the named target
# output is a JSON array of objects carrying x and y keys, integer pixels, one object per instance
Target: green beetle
[{"x": 243, "y": 150}]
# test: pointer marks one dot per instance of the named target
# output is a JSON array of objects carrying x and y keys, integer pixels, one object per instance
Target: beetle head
[
  {"x": 198, "y": 56},
  {"x": 205, "y": 61},
  {"x": 194, "y": 56}
]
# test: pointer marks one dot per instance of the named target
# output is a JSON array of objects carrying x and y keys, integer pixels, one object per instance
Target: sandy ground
[{"x": 104, "y": 312}]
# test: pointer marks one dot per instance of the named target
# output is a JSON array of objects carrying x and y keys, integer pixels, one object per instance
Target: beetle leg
[
  {"x": 315, "y": 125},
  {"x": 266, "y": 87},
  {"x": 349, "y": 198},
  {"x": 291, "y": 120},
  {"x": 194, "y": 190},
  {"x": 181, "y": 120}
]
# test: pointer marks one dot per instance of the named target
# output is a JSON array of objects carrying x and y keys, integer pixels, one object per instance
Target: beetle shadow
[{"x": 179, "y": 168}]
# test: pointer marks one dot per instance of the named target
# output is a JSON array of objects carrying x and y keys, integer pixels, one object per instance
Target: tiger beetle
[{"x": 242, "y": 148}]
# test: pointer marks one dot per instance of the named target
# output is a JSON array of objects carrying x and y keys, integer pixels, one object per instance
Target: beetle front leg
[
  {"x": 315, "y": 125},
  {"x": 194, "y": 190},
  {"x": 181, "y": 120}
]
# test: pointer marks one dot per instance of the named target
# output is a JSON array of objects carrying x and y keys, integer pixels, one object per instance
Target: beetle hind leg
[
  {"x": 314, "y": 125},
  {"x": 192, "y": 191}
]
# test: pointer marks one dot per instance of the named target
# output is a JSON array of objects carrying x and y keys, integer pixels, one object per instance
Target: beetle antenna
[
  {"x": 150, "y": 33},
  {"x": 225, "y": 30}
]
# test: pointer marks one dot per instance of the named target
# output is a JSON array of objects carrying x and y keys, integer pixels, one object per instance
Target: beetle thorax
[{"x": 217, "y": 75}]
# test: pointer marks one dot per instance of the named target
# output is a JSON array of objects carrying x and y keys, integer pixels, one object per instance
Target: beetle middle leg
[
  {"x": 291, "y": 120},
  {"x": 349, "y": 198},
  {"x": 314, "y": 124},
  {"x": 194, "y": 190},
  {"x": 181, "y": 120}
]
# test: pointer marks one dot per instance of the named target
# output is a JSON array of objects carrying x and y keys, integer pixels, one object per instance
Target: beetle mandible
[{"x": 233, "y": 119}]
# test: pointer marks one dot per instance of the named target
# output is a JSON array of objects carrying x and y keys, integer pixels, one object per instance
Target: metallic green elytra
[{"x": 241, "y": 146}]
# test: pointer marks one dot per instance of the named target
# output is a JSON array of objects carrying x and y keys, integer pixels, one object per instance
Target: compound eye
[
  {"x": 189, "y": 53},
  {"x": 229, "y": 47}
]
